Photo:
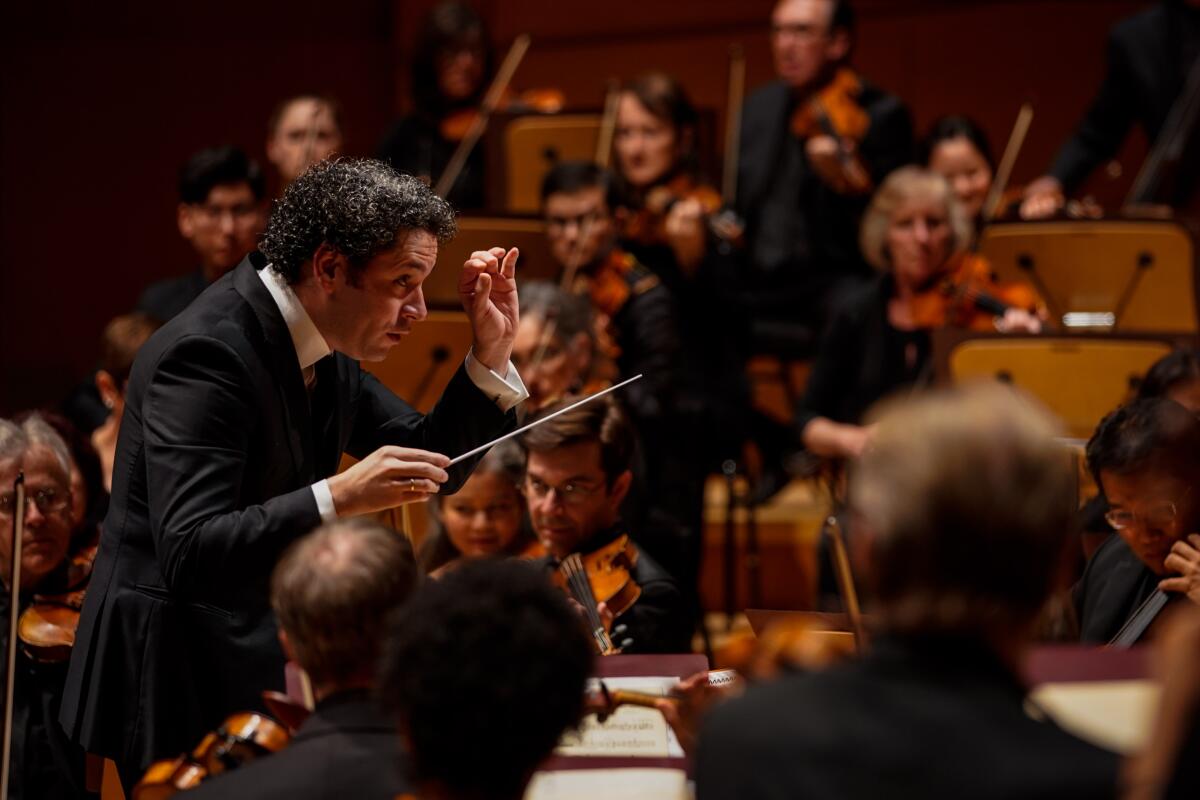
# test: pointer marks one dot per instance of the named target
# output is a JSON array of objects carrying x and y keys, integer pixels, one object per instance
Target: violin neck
[
  {"x": 581, "y": 589},
  {"x": 1135, "y": 627}
]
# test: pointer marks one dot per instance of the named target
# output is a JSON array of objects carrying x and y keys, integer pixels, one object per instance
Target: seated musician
[
  {"x": 123, "y": 337},
  {"x": 44, "y": 763},
  {"x": 555, "y": 350},
  {"x": 957, "y": 149},
  {"x": 802, "y": 185},
  {"x": 915, "y": 232},
  {"x": 334, "y": 593},
  {"x": 1175, "y": 376},
  {"x": 577, "y": 472},
  {"x": 486, "y": 517},
  {"x": 963, "y": 505},
  {"x": 484, "y": 671},
  {"x": 450, "y": 69},
  {"x": 301, "y": 131},
  {"x": 1145, "y": 457}
]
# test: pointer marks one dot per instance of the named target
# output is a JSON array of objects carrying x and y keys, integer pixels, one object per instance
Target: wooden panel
[{"x": 527, "y": 234}]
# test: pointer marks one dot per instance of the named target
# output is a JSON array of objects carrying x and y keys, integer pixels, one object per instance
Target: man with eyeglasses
[
  {"x": 577, "y": 472},
  {"x": 1145, "y": 458},
  {"x": 221, "y": 215},
  {"x": 802, "y": 193},
  {"x": 45, "y": 763}
]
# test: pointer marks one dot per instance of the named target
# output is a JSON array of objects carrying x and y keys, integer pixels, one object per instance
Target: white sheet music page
[{"x": 629, "y": 730}]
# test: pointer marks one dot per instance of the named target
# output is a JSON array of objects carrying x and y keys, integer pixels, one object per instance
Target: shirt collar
[{"x": 311, "y": 346}]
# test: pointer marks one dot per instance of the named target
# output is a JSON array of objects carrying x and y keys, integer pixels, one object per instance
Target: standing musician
[
  {"x": 915, "y": 233},
  {"x": 236, "y": 416},
  {"x": 45, "y": 763},
  {"x": 301, "y": 131},
  {"x": 963, "y": 505},
  {"x": 1150, "y": 56},
  {"x": 334, "y": 592},
  {"x": 1145, "y": 457},
  {"x": 577, "y": 472},
  {"x": 814, "y": 144},
  {"x": 450, "y": 70}
]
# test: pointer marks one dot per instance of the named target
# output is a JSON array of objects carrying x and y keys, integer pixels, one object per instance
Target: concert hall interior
[{"x": 496, "y": 399}]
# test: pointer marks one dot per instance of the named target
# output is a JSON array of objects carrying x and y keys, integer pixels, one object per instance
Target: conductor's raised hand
[
  {"x": 487, "y": 287},
  {"x": 389, "y": 477}
]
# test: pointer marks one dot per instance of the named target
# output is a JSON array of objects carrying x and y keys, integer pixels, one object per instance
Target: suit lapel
[
  {"x": 328, "y": 410},
  {"x": 285, "y": 365}
]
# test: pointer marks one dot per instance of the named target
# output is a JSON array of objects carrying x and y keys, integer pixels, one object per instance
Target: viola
[
  {"x": 835, "y": 111},
  {"x": 241, "y": 738},
  {"x": 47, "y": 626},
  {"x": 968, "y": 295}
]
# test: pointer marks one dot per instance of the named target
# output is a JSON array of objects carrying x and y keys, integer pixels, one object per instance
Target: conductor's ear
[{"x": 325, "y": 262}]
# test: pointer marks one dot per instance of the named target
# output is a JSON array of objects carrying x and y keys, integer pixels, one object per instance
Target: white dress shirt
[{"x": 505, "y": 391}]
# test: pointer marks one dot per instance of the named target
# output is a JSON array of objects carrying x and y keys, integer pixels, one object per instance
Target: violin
[
  {"x": 604, "y": 575},
  {"x": 648, "y": 224},
  {"x": 455, "y": 125},
  {"x": 969, "y": 296},
  {"x": 603, "y": 701},
  {"x": 241, "y": 738},
  {"x": 835, "y": 111},
  {"x": 47, "y": 626}
]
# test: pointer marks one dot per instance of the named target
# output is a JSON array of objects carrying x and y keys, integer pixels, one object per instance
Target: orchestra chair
[
  {"x": 527, "y": 234},
  {"x": 530, "y": 145},
  {"x": 1119, "y": 275},
  {"x": 1079, "y": 377}
]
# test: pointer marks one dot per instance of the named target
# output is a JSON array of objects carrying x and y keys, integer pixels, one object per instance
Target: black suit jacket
[
  {"x": 912, "y": 719},
  {"x": 1148, "y": 58},
  {"x": 347, "y": 748},
  {"x": 217, "y": 453},
  {"x": 1114, "y": 583}
]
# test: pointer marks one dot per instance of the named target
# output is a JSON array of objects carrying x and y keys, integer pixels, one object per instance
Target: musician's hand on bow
[
  {"x": 684, "y": 710},
  {"x": 487, "y": 287},
  {"x": 1184, "y": 559},
  {"x": 685, "y": 231},
  {"x": 1018, "y": 320},
  {"x": 1043, "y": 198},
  {"x": 389, "y": 477}
]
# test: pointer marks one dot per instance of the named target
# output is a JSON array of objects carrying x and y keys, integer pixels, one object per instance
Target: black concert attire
[
  {"x": 661, "y": 619},
  {"x": 166, "y": 298},
  {"x": 415, "y": 146},
  {"x": 347, "y": 748},
  {"x": 915, "y": 718},
  {"x": 801, "y": 235},
  {"x": 45, "y": 763},
  {"x": 219, "y": 467},
  {"x": 1149, "y": 57},
  {"x": 1115, "y": 583}
]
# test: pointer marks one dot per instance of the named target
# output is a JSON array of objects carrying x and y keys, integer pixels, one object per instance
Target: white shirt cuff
[
  {"x": 324, "y": 499},
  {"x": 504, "y": 390}
]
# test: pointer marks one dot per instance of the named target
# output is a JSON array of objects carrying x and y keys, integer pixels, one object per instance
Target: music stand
[
  {"x": 1121, "y": 275},
  {"x": 531, "y": 145}
]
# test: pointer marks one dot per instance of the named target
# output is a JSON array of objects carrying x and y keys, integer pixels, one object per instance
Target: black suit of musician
[{"x": 235, "y": 412}]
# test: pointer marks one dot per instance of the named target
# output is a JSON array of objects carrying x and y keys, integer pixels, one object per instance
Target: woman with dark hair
[
  {"x": 450, "y": 68},
  {"x": 486, "y": 517},
  {"x": 1175, "y": 376},
  {"x": 957, "y": 149}
]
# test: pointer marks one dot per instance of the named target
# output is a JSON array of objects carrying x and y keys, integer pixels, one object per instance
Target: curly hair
[
  {"x": 356, "y": 206},
  {"x": 492, "y": 653}
]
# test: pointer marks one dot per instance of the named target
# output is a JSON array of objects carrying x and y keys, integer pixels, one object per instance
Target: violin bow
[
  {"x": 490, "y": 101},
  {"x": 608, "y": 123},
  {"x": 733, "y": 123},
  {"x": 14, "y": 599},
  {"x": 1011, "y": 150},
  {"x": 845, "y": 579}
]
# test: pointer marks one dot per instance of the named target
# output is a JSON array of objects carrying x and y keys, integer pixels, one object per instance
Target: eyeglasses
[
  {"x": 581, "y": 221},
  {"x": 1162, "y": 515},
  {"x": 241, "y": 212},
  {"x": 48, "y": 501},
  {"x": 801, "y": 31},
  {"x": 570, "y": 493}
]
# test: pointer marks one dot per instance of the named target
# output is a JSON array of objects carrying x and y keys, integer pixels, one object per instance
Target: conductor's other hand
[
  {"x": 487, "y": 287},
  {"x": 389, "y": 477}
]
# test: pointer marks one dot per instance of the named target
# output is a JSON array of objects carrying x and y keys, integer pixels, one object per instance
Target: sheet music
[
  {"x": 1113, "y": 714},
  {"x": 609, "y": 784},
  {"x": 628, "y": 731}
]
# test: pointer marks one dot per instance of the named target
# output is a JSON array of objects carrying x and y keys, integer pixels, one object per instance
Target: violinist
[
  {"x": 577, "y": 472},
  {"x": 963, "y": 505},
  {"x": 1145, "y": 457},
  {"x": 957, "y": 149},
  {"x": 483, "y": 673},
  {"x": 334, "y": 592},
  {"x": 1150, "y": 57},
  {"x": 485, "y": 518},
  {"x": 301, "y": 131},
  {"x": 45, "y": 763},
  {"x": 915, "y": 232},
  {"x": 803, "y": 181},
  {"x": 122, "y": 338},
  {"x": 450, "y": 70},
  {"x": 555, "y": 348}
]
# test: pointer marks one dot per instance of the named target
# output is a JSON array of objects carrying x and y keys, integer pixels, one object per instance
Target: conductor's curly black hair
[
  {"x": 358, "y": 207},
  {"x": 490, "y": 653}
]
